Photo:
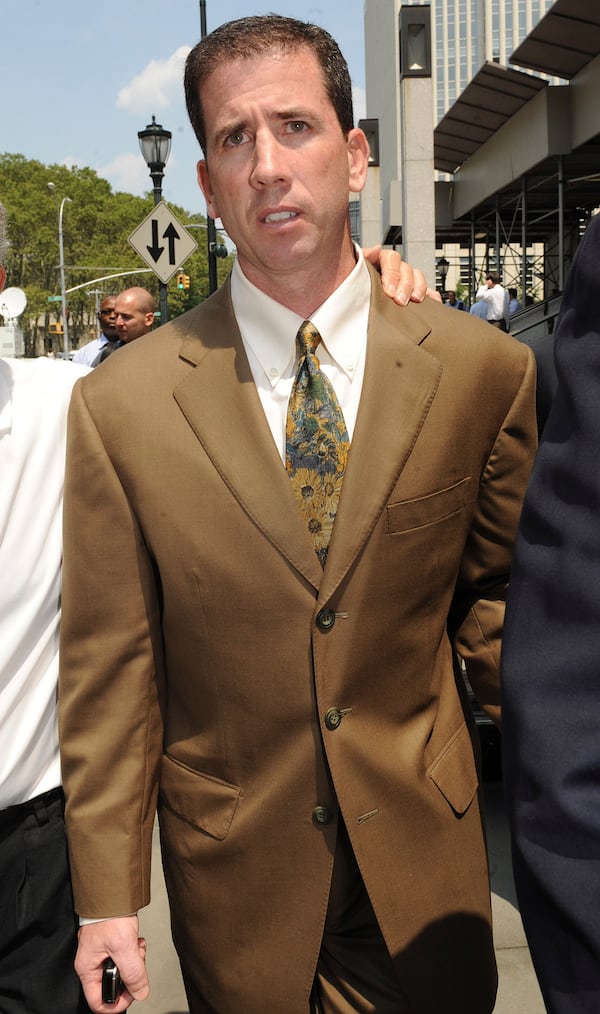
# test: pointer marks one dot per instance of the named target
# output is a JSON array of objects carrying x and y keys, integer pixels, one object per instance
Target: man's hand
[
  {"x": 400, "y": 282},
  {"x": 118, "y": 939}
]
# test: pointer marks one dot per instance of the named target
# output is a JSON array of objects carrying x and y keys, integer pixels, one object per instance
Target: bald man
[{"x": 135, "y": 313}]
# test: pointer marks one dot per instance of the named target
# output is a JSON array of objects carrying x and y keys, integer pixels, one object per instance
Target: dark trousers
[
  {"x": 355, "y": 973},
  {"x": 38, "y": 927}
]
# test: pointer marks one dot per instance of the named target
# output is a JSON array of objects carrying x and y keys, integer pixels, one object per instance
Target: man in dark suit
[
  {"x": 290, "y": 700},
  {"x": 551, "y": 684}
]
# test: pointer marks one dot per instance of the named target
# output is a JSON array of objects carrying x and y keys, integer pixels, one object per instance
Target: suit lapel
[
  {"x": 221, "y": 404},
  {"x": 400, "y": 382}
]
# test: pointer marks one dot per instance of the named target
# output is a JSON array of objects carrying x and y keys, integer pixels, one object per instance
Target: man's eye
[
  {"x": 236, "y": 138},
  {"x": 297, "y": 126}
]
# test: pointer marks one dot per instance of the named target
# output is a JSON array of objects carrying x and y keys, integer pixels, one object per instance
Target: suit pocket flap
[
  {"x": 454, "y": 771},
  {"x": 202, "y": 800},
  {"x": 426, "y": 510}
]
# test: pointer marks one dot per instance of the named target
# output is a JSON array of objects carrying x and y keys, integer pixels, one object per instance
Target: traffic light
[
  {"x": 55, "y": 328},
  {"x": 183, "y": 281}
]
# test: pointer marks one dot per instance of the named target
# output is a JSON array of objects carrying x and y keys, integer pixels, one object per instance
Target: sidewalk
[{"x": 518, "y": 992}]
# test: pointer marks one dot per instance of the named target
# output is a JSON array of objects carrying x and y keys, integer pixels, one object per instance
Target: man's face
[
  {"x": 278, "y": 167},
  {"x": 108, "y": 318},
  {"x": 131, "y": 321}
]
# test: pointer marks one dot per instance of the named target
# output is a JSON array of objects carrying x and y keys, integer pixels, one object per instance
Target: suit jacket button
[
  {"x": 333, "y": 717},
  {"x": 322, "y": 815},
  {"x": 325, "y": 619}
]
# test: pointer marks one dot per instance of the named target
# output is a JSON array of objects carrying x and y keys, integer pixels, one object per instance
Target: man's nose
[{"x": 269, "y": 163}]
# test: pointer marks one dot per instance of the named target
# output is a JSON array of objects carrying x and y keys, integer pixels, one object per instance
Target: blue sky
[{"x": 78, "y": 79}]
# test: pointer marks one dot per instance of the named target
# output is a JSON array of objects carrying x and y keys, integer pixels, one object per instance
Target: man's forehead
[{"x": 276, "y": 63}]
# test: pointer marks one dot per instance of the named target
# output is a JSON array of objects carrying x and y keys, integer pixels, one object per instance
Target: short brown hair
[{"x": 247, "y": 37}]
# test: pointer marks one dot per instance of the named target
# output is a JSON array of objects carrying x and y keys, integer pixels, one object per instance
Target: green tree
[{"x": 96, "y": 226}]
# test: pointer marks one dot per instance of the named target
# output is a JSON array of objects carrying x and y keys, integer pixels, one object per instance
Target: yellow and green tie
[{"x": 317, "y": 443}]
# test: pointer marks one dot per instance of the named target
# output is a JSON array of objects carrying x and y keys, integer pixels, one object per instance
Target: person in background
[
  {"x": 479, "y": 309},
  {"x": 134, "y": 308},
  {"x": 38, "y": 928},
  {"x": 551, "y": 689},
  {"x": 134, "y": 315},
  {"x": 307, "y": 508},
  {"x": 451, "y": 300},
  {"x": 513, "y": 303},
  {"x": 108, "y": 333},
  {"x": 496, "y": 297}
]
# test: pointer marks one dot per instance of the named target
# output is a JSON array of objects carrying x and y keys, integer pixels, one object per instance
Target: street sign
[
  {"x": 162, "y": 242},
  {"x": 55, "y": 299}
]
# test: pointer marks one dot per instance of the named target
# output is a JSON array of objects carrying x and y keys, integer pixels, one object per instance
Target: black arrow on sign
[
  {"x": 171, "y": 234},
  {"x": 155, "y": 250}
]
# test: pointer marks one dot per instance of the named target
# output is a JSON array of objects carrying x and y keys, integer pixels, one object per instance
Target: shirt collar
[{"x": 341, "y": 321}]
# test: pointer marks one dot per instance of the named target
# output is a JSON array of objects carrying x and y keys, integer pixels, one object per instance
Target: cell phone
[{"x": 112, "y": 986}]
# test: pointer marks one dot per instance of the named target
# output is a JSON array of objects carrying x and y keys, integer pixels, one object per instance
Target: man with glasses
[{"x": 108, "y": 328}]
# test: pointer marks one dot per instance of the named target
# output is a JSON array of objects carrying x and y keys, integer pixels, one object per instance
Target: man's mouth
[{"x": 280, "y": 216}]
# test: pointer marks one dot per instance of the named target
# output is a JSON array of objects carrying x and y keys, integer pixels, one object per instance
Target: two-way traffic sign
[{"x": 162, "y": 242}]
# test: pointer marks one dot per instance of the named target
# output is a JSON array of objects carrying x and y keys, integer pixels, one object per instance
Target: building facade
[{"x": 465, "y": 34}]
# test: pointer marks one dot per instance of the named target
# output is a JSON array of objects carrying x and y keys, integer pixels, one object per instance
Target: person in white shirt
[
  {"x": 496, "y": 298},
  {"x": 107, "y": 318},
  {"x": 38, "y": 930}
]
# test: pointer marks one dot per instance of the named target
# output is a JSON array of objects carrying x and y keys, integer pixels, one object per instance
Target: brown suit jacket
[{"x": 204, "y": 650}]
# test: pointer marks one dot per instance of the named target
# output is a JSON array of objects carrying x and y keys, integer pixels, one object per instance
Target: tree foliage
[{"x": 96, "y": 226}]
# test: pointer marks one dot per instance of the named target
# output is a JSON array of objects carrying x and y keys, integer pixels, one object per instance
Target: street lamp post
[
  {"x": 443, "y": 266},
  {"x": 63, "y": 294},
  {"x": 155, "y": 145},
  {"x": 211, "y": 235},
  {"x": 61, "y": 254}
]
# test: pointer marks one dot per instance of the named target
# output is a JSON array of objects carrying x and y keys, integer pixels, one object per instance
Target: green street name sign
[{"x": 54, "y": 299}]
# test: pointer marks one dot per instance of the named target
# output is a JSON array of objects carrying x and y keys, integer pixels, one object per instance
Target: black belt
[{"x": 18, "y": 812}]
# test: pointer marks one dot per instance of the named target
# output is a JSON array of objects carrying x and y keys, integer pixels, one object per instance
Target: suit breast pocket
[{"x": 429, "y": 509}]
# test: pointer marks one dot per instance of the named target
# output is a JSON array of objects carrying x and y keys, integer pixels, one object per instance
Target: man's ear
[
  {"x": 204, "y": 183},
  {"x": 358, "y": 160}
]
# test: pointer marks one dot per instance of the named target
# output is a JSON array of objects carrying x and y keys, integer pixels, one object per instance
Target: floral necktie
[{"x": 317, "y": 443}]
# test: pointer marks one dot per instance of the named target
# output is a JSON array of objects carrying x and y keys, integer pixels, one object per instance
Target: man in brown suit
[{"x": 302, "y": 727}]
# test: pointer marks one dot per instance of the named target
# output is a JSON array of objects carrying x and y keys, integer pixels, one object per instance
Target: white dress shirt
[
  {"x": 34, "y": 397},
  {"x": 87, "y": 353},
  {"x": 269, "y": 332},
  {"x": 496, "y": 298}
]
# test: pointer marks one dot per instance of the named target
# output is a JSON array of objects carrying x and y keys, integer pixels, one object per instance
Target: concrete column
[{"x": 418, "y": 191}]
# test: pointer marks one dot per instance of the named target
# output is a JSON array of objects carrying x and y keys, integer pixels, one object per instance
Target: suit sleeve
[
  {"x": 550, "y": 668},
  {"x": 110, "y": 681},
  {"x": 477, "y": 614}
]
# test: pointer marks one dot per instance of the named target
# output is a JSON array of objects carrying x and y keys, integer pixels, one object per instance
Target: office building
[
  {"x": 465, "y": 36},
  {"x": 466, "y": 33}
]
